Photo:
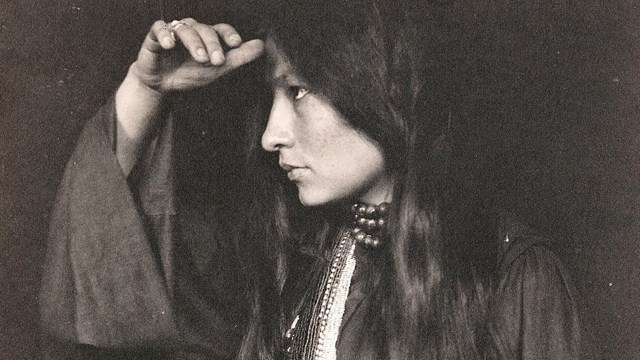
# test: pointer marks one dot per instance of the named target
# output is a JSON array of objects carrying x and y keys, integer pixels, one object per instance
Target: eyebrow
[
  {"x": 281, "y": 80},
  {"x": 286, "y": 80}
]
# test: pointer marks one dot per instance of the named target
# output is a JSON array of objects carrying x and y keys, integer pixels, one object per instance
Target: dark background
[{"x": 555, "y": 84}]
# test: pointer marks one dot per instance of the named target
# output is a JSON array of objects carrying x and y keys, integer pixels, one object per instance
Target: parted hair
[{"x": 432, "y": 281}]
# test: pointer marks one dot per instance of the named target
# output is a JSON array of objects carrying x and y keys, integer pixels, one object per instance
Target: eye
[{"x": 298, "y": 92}]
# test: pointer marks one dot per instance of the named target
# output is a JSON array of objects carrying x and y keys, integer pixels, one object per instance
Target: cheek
[
  {"x": 326, "y": 137},
  {"x": 355, "y": 160},
  {"x": 318, "y": 140},
  {"x": 322, "y": 133},
  {"x": 367, "y": 162},
  {"x": 338, "y": 150}
]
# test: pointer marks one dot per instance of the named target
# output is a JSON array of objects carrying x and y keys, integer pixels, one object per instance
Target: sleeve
[
  {"x": 534, "y": 309},
  {"x": 106, "y": 282}
]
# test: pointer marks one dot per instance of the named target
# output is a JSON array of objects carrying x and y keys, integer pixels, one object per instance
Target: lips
[
  {"x": 293, "y": 172},
  {"x": 287, "y": 167}
]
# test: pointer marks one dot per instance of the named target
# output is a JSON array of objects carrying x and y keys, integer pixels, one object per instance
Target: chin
[
  {"x": 310, "y": 201},
  {"x": 314, "y": 198},
  {"x": 320, "y": 198}
]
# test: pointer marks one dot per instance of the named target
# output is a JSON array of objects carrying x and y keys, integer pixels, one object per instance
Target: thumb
[{"x": 243, "y": 54}]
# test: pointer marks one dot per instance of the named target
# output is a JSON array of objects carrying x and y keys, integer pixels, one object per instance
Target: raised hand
[
  {"x": 187, "y": 54},
  {"x": 182, "y": 55}
]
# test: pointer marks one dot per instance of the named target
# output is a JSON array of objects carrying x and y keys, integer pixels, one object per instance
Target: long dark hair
[{"x": 433, "y": 279}]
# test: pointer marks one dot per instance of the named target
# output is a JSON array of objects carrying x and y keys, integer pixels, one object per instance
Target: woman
[
  {"x": 389, "y": 257},
  {"x": 368, "y": 246}
]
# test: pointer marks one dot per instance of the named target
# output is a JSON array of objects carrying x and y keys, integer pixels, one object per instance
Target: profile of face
[{"x": 326, "y": 158}]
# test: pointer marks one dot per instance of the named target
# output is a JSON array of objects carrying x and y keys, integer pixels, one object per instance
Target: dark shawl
[
  {"x": 533, "y": 307},
  {"x": 129, "y": 272}
]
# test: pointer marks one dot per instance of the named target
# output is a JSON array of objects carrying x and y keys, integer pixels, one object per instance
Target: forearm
[{"x": 138, "y": 109}]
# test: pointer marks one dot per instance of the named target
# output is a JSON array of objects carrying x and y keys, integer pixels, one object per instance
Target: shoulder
[
  {"x": 530, "y": 267},
  {"x": 525, "y": 256},
  {"x": 534, "y": 305}
]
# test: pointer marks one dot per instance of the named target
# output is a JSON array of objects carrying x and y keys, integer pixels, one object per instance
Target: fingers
[
  {"x": 211, "y": 42},
  {"x": 228, "y": 34},
  {"x": 159, "y": 38},
  {"x": 243, "y": 54},
  {"x": 191, "y": 39},
  {"x": 235, "y": 58},
  {"x": 202, "y": 41},
  {"x": 199, "y": 59},
  {"x": 213, "y": 35}
]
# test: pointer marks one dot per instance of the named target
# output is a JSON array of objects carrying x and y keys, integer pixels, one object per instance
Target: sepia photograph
[{"x": 320, "y": 179}]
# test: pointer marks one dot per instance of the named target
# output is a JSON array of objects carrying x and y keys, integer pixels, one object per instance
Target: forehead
[{"x": 280, "y": 70}]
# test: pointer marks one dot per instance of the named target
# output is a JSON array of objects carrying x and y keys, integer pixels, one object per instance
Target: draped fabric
[
  {"x": 129, "y": 272},
  {"x": 533, "y": 307}
]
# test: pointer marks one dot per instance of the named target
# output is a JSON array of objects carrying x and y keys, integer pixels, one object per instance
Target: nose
[{"x": 278, "y": 133}]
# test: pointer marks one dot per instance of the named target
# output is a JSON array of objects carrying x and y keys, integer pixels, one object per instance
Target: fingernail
[
  {"x": 217, "y": 58},
  {"x": 202, "y": 53},
  {"x": 235, "y": 38}
]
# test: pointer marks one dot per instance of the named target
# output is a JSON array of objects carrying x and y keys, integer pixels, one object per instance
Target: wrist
[
  {"x": 145, "y": 84},
  {"x": 137, "y": 107}
]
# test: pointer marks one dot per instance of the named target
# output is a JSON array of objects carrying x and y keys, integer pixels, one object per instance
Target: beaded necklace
[
  {"x": 314, "y": 332},
  {"x": 335, "y": 298}
]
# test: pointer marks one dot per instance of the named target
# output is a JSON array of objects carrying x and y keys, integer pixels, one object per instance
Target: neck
[{"x": 379, "y": 193}]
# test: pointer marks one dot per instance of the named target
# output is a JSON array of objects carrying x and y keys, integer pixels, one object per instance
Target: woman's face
[{"x": 322, "y": 154}]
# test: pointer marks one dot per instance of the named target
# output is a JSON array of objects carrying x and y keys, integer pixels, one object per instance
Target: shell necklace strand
[{"x": 328, "y": 308}]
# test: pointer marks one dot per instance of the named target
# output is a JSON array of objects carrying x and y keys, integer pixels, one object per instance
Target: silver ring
[{"x": 173, "y": 26}]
